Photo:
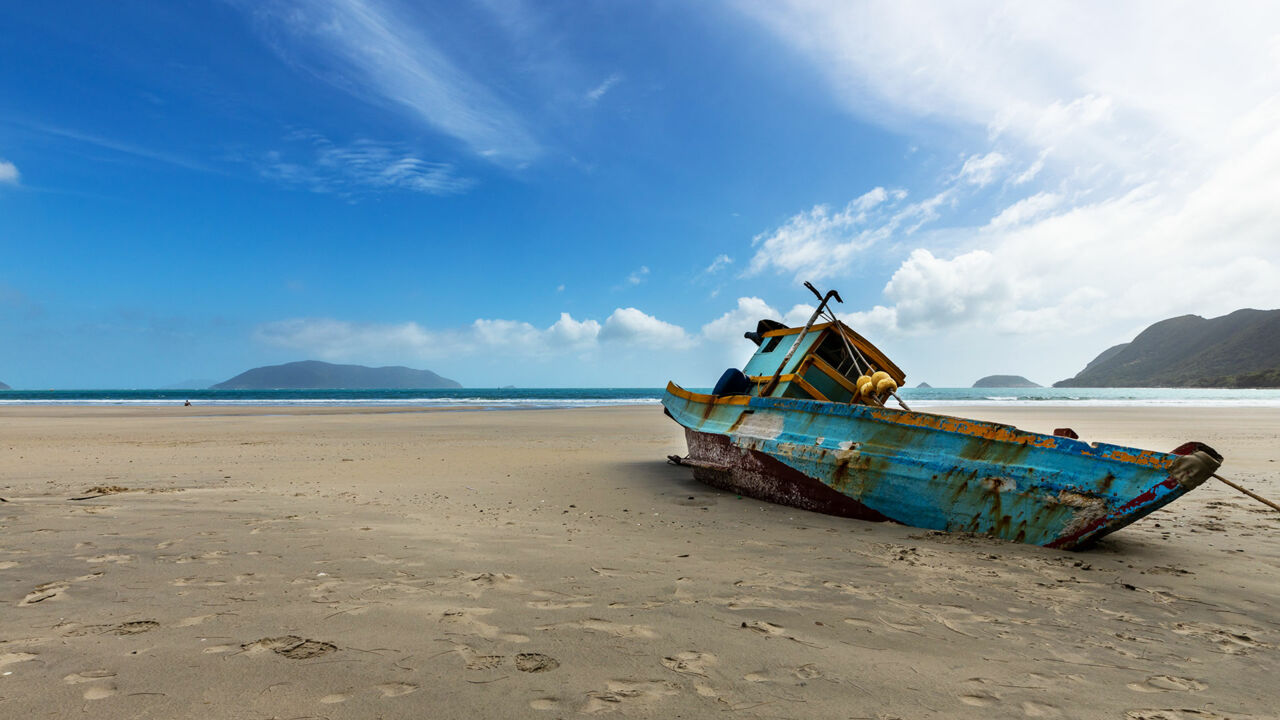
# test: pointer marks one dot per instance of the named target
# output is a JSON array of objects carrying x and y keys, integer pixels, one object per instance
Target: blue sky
[{"x": 610, "y": 193}]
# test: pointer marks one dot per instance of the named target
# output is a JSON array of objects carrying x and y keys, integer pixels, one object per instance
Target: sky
[{"x": 602, "y": 193}]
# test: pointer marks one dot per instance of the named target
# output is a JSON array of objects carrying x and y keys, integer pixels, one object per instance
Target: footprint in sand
[
  {"x": 474, "y": 660},
  {"x": 604, "y": 626},
  {"x": 290, "y": 646},
  {"x": 621, "y": 693},
  {"x": 15, "y": 657},
  {"x": 804, "y": 673},
  {"x": 109, "y": 559},
  {"x": 1173, "y": 714},
  {"x": 557, "y": 601},
  {"x": 87, "y": 676},
  {"x": 44, "y": 592},
  {"x": 6, "y": 564},
  {"x": 1229, "y": 641},
  {"x": 396, "y": 689},
  {"x": 691, "y": 662},
  {"x": 134, "y": 628},
  {"x": 55, "y": 588},
  {"x": 1034, "y": 709},
  {"x": 535, "y": 662},
  {"x": 1167, "y": 683},
  {"x": 469, "y": 618},
  {"x": 762, "y": 627},
  {"x": 98, "y": 692},
  {"x": 980, "y": 698},
  {"x": 548, "y": 703},
  {"x": 334, "y": 698}
]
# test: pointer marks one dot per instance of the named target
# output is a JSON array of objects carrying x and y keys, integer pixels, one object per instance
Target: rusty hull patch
[{"x": 755, "y": 474}]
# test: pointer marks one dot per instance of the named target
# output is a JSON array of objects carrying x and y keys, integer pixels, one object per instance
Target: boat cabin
[{"x": 831, "y": 363}]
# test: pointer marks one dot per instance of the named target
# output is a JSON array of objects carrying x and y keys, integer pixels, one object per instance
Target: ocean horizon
[{"x": 550, "y": 398}]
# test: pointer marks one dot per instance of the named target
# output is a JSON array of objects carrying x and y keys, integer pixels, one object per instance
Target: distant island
[
  {"x": 1240, "y": 350},
  {"x": 1005, "y": 381},
  {"x": 925, "y": 386},
  {"x": 313, "y": 375},
  {"x": 4, "y": 387}
]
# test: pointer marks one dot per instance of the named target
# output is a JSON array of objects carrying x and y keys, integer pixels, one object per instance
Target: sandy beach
[{"x": 331, "y": 563}]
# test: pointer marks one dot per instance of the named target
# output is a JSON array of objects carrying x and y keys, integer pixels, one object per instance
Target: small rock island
[{"x": 1005, "y": 381}]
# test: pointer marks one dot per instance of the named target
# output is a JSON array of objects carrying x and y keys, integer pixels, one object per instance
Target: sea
[{"x": 550, "y": 398}]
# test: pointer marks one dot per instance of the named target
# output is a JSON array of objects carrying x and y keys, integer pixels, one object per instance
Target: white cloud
[
  {"x": 631, "y": 326},
  {"x": 729, "y": 327},
  {"x": 379, "y": 53},
  {"x": 638, "y": 276},
  {"x": 820, "y": 243},
  {"x": 593, "y": 96},
  {"x": 322, "y": 166},
  {"x": 8, "y": 172},
  {"x": 1026, "y": 209},
  {"x": 980, "y": 170},
  {"x": 1145, "y": 139},
  {"x": 721, "y": 262}
]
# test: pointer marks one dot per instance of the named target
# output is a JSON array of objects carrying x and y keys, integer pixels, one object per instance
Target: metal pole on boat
[{"x": 773, "y": 381}]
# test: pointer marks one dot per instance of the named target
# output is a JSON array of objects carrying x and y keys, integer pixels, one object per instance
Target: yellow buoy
[
  {"x": 886, "y": 386},
  {"x": 865, "y": 385},
  {"x": 879, "y": 375}
]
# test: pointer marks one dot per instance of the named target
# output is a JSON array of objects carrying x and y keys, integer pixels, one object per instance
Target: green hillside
[{"x": 1240, "y": 350}]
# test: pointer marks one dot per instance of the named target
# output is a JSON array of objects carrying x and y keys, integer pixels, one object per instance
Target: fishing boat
[{"x": 807, "y": 423}]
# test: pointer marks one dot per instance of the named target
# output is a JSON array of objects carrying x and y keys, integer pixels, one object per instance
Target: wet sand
[{"x": 352, "y": 564}]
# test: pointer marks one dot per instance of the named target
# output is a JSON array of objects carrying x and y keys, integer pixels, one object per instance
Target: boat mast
[{"x": 773, "y": 381}]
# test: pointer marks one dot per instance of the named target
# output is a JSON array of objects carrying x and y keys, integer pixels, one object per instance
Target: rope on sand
[{"x": 1250, "y": 493}]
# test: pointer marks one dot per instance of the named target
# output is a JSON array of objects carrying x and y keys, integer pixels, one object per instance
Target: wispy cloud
[
  {"x": 378, "y": 52},
  {"x": 638, "y": 276},
  {"x": 721, "y": 262},
  {"x": 361, "y": 166},
  {"x": 819, "y": 243},
  {"x": 8, "y": 172},
  {"x": 980, "y": 170},
  {"x": 593, "y": 96},
  {"x": 123, "y": 148}
]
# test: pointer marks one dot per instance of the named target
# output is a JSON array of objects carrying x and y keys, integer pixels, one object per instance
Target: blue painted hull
[{"x": 930, "y": 471}]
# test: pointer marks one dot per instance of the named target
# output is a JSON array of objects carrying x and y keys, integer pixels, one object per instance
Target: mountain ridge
[
  {"x": 1237, "y": 350},
  {"x": 316, "y": 374}
]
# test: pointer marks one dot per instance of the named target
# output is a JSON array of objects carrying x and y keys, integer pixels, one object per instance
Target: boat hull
[{"x": 931, "y": 471}]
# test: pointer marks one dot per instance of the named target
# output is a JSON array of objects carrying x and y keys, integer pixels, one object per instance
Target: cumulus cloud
[
  {"x": 631, "y": 326},
  {"x": 627, "y": 337},
  {"x": 1148, "y": 183},
  {"x": 8, "y": 172}
]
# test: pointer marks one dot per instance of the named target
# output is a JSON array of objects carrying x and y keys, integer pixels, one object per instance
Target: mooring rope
[{"x": 1250, "y": 493}]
